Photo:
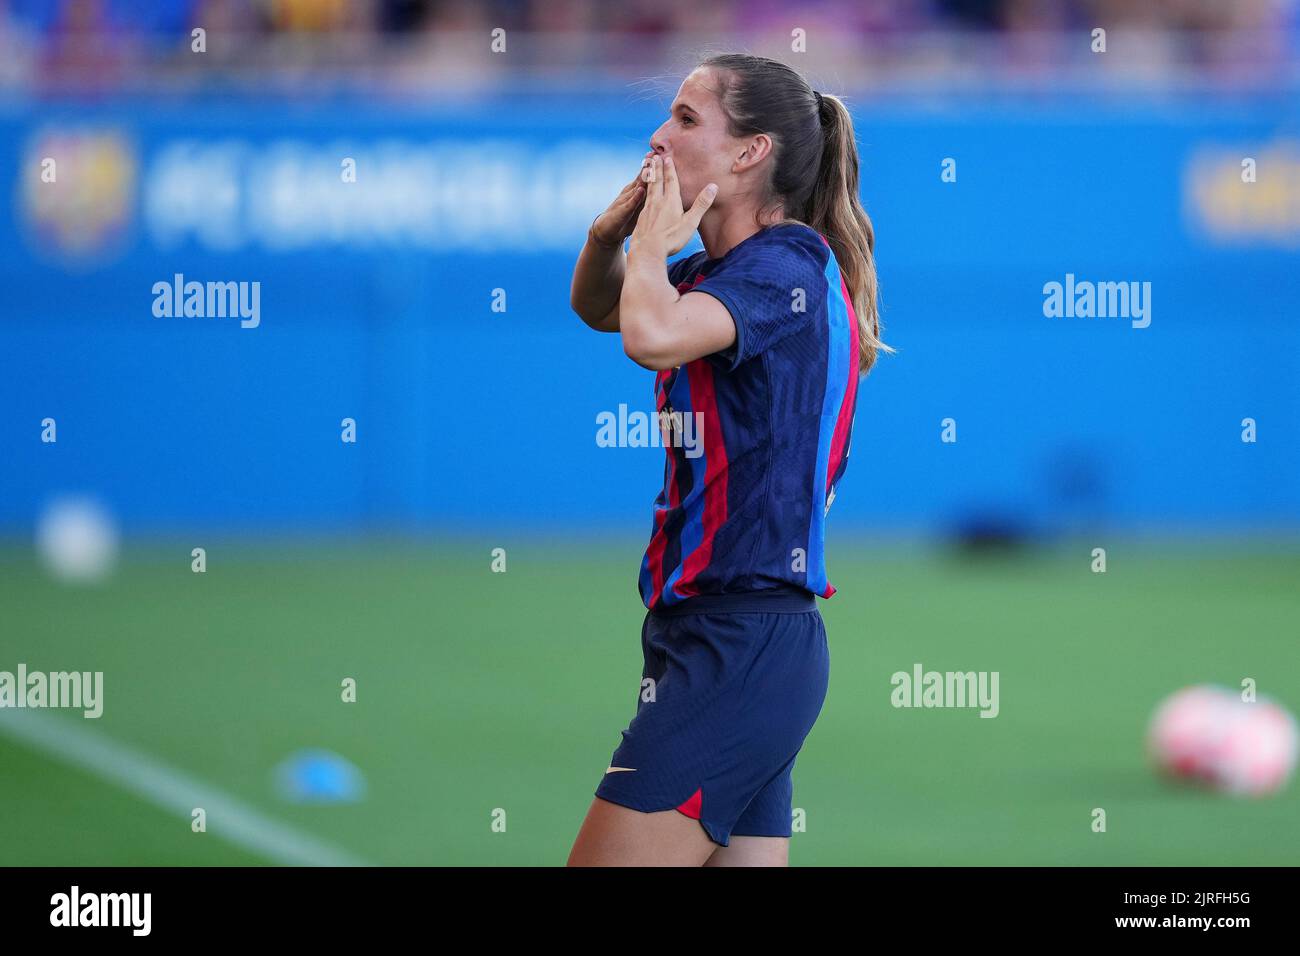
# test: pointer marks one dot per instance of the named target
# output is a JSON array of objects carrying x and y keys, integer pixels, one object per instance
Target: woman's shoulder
[
  {"x": 796, "y": 232},
  {"x": 793, "y": 245},
  {"x": 796, "y": 235},
  {"x": 771, "y": 245},
  {"x": 779, "y": 241}
]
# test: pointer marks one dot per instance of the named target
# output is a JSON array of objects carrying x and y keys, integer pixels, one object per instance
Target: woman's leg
[
  {"x": 614, "y": 835},
  {"x": 752, "y": 851}
]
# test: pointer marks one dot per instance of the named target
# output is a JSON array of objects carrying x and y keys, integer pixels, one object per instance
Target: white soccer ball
[
  {"x": 1209, "y": 734},
  {"x": 76, "y": 540}
]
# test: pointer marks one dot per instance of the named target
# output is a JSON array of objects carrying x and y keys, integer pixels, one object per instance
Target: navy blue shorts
[{"x": 732, "y": 685}]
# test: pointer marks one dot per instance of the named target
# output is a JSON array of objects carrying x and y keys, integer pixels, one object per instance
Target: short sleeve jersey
[{"x": 756, "y": 436}]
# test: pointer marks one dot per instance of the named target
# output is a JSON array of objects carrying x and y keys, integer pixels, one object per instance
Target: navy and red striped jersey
[{"x": 744, "y": 501}]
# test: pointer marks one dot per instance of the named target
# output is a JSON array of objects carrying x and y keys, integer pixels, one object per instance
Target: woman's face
[{"x": 695, "y": 136}]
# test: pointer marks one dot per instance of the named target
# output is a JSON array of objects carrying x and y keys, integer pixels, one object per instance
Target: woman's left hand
[{"x": 664, "y": 228}]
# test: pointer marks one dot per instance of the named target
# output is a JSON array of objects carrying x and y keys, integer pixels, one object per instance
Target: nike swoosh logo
[{"x": 617, "y": 769}]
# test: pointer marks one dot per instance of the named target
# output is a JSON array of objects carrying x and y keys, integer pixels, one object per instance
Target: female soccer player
[{"x": 758, "y": 343}]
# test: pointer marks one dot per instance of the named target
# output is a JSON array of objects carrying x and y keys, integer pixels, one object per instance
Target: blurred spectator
[{"x": 99, "y": 45}]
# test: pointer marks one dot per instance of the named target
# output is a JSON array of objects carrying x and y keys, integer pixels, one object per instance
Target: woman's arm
[
  {"x": 598, "y": 276},
  {"x": 597, "y": 284},
  {"x": 661, "y": 328}
]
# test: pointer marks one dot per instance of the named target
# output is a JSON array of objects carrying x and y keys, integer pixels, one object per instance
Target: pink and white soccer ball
[{"x": 1209, "y": 734}]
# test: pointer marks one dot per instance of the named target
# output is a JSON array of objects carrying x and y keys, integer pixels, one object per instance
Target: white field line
[{"x": 171, "y": 789}]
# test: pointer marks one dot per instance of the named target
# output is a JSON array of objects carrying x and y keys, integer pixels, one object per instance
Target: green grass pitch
[{"x": 480, "y": 691}]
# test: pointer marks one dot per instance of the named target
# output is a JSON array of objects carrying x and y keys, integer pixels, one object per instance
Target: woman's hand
[
  {"x": 663, "y": 227},
  {"x": 616, "y": 223}
]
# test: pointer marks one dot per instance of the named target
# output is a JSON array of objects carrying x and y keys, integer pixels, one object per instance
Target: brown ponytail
[{"x": 809, "y": 132}]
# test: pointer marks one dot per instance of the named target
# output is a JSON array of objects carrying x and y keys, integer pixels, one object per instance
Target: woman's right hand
[{"x": 617, "y": 222}]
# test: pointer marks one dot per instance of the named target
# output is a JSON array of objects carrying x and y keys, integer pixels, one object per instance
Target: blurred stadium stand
[{"x": 427, "y": 47}]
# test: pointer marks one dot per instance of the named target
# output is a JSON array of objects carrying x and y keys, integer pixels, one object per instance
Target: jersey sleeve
[{"x": 771, "y": 291}]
